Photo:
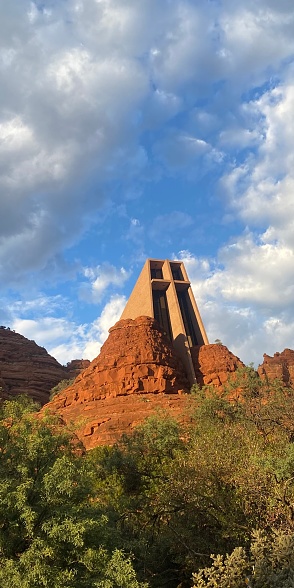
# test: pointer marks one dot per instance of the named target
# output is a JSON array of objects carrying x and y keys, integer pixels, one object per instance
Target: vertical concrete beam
[{"x": 140, "y": 302}]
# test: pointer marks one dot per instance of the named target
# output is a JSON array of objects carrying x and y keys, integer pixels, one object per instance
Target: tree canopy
[{"x": 153, "y": 509}]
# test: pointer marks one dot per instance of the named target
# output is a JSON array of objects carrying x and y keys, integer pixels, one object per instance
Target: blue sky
[{"x": 144, "y": 128}]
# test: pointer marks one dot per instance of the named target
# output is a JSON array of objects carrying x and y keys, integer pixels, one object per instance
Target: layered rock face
[
  {"x": 137, "y": 372},
  {"x": 75, "y": 367},
  {"x": 214, "y": 364},
  {"x": 280, "y": 366},
  {"x": 26, "y": 368}
]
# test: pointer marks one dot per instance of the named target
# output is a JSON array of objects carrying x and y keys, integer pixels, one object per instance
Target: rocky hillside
[
  {"x": 280, "y": 366},
  {"x": 27, "y": 368},
  {"x": 137, "y": 373}
]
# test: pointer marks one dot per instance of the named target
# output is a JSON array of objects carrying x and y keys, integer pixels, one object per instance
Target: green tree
[
  {"x": 53, "y": 532},
  {"x": 132, "y": 478},
  {"x": 269, "y": 564}
]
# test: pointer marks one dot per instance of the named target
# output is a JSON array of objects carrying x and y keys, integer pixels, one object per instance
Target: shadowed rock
[{"x": 280, "y": 366}]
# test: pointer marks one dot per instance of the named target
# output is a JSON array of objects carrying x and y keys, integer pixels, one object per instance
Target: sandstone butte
[
  {"x": 136, "y": 374},
  {"x": 27, "y": 368}
]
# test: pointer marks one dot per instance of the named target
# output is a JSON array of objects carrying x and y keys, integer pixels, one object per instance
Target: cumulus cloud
[
  {"x": 95, "y": 93},
  {"x": 63, "y": 338},
  {"x": 73, "y": 110},
  {"x": 245, "y": 297},
  {"x": 99, "y": 279},
  {"x": 82, "y": 80},
  {"x": 246, "y": 291}
]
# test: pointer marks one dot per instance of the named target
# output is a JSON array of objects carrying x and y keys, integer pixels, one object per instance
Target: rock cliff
[
  {"x": 27, "y": 368},
  {"x": 137, "y": 372},
  {"x": 280, "y": 366},
  {"x": 213, "y": 364}
]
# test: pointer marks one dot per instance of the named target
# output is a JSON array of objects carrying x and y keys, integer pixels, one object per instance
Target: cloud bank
[{"x": 100, "y": 99}]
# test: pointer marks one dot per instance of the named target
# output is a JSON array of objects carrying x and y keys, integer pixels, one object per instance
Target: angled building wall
[{"x": 163, "y": 291}]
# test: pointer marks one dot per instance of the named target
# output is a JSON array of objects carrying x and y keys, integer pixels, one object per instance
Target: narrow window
[
  {"x": 161, "y": 313},
  {"x": 176, "y": 272},
  {"x": 156, "y": 274},
  {"x": 186, "y": 310}
]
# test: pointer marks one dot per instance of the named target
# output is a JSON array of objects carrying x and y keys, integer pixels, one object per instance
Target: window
[
  {"x": 156, "y": 274},
  {"x": 176, "y": 272},
  {"x": 187, "y": 313},
  {"x": 161, "y": 313}
]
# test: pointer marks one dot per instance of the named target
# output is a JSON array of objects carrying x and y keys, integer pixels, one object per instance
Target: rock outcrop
[
  {"x": 27, "y": 368},
  {"x": 75, "y": 367},
  {"x": 137, "y": 372},
  {"x": 214, "y": 364},
  {"x": 280, "y": 366}
]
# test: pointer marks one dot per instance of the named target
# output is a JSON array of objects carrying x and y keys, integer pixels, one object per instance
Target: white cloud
[
  {"x": 100, "y": 278},
  {"x": 177, "y": 149},
  {"x": 44, "y": 331},
  {"x": 247, "y": 291},
  {"x": 82, "y": 80},
  {"x": 85, "y": 341},
  {"x": 256, "y": 36},
  {"x": 82, "y": 85},
  {"x": 246, "y": 297},
  {"x": 62, "y": 337},
  {"x": 14, "y": 135}
]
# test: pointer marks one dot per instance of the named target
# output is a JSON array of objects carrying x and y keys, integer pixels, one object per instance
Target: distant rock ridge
[
  {"x": 280, "y": 366},
  {"x": 27, "y": 368},
  {"x": 74, "y": 367}
]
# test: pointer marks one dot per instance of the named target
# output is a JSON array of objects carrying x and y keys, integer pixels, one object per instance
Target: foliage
[
  {"x": 270, "y": 564},
  {"x": 155, "y": 506},
  {"x": 53, "y": 532},
  {"x": 60, "y": 386},
  {"x": 177, "y": 494}
]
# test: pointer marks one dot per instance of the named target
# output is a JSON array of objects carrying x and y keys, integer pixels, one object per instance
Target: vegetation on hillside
[
  {"x": 60, "y": 386},
  {"x": 152, "y": 510}
]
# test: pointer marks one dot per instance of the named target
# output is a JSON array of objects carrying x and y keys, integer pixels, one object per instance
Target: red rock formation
[
  {"x": 213, "y": 364},
  {"x": 75, "y": 367},
  {"x": 3, "y": 390},
  {"x": 280, "y": 366},
  {"x": 26, "y": 368},
  {"x": 137, "y": 372}
]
